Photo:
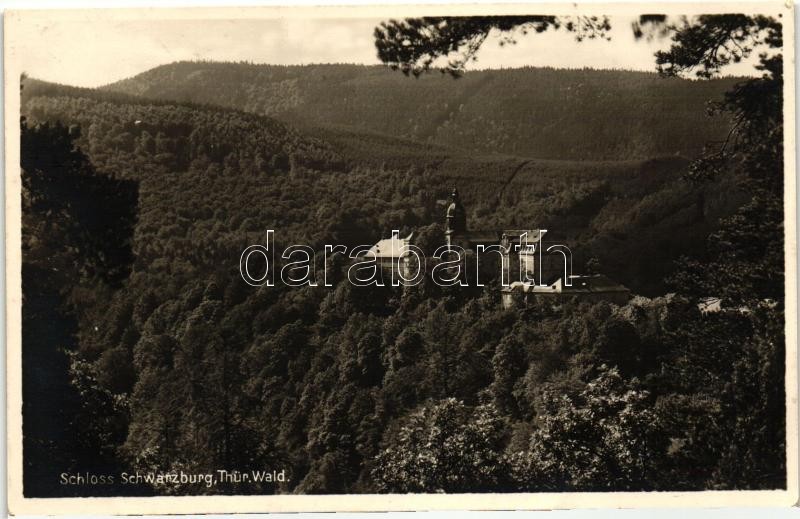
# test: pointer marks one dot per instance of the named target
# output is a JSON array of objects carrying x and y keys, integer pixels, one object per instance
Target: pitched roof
[{"x": 394, "y": 247}]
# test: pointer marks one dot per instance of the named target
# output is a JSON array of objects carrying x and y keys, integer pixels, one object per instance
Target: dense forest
[
  {"x": 531, "y": 112},
  {"x": 167, "y": 360},
  {"x": 635, "y": 217}
]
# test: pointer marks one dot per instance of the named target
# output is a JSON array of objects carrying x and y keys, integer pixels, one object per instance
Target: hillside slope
[
  {"x": 205, "y": 371},
  {"x": 531, "y": 112},
  {"x": 213, "y": 180}
]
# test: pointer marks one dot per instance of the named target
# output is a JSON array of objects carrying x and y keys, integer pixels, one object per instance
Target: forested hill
[
  {"x": 183, "y": 366},
  {"x": 532, "y": 112},
  {"x": 229, "y": 175}
]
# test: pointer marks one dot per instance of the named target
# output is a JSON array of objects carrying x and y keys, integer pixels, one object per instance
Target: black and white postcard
[{"x": 401, "y": 258}]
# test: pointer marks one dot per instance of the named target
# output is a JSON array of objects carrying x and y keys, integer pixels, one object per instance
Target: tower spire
[{"x": 456, "y": 217}]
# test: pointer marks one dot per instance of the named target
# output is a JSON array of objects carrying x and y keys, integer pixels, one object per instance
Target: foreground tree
[
  {"x": 80, "y": 221},
  {"x": 744, "y": 263},
  {"x": 605, "y": 438},
  {"x": 445, "y": 447},
  {"x": 76, "y": 231},
  {"x": 414, "y": 45}
]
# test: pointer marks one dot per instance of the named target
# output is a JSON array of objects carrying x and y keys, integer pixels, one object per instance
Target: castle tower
[{"x": 456, "y": 217}]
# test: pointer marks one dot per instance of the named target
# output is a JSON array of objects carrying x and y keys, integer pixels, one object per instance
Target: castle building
[
  {"x": 394, "y": 253},
  {"x": 530, "y": 265},
  {"x": 521, "y": 249},
  {"x": 596, "y": 287}
]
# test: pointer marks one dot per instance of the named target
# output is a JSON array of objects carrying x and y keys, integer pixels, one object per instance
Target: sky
[{"x": 95, "y": 54}]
